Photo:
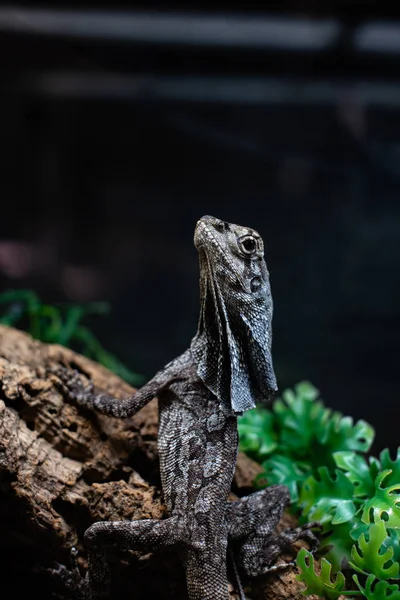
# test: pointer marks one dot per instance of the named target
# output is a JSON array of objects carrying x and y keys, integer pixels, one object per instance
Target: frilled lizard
[{"x": 226, "y": 370}]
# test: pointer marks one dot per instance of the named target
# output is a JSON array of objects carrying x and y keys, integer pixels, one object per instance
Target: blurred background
[{"x": 122, "y": 124}]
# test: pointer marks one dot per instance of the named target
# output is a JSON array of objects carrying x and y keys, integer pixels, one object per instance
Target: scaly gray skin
[{"x": 226, "y": 370}]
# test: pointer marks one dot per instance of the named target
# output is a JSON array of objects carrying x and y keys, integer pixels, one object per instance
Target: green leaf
[
  {"x": 49, "y": 322},
  {"x": 393, "y": 465},
  {"x": 322, "y": 584},
  {"x": 336, "y": 542},
  {"x": 61, "y": 325},
  {"x": 361, "y": 474},
  {"x": 72, "y": 317},
  {"x": 304, "y": 389},
  {"x": 284, "y": 470},
  {"x": 358, "y": 530},
  {"x": 12, "y": 315},
  {"x": 369, "y": 556},
  {"x": 381, "y": 591},
  {"x": 327, "y": 499},
  {"x": 341, "y": 434},
  {"x": 28, "y": 296},
  {"x": 308, "y": 431},
  {"x": 256, "y": 433},
  {"x": 384, "y": 505},
  {"x": 298, "y": 415},
  {"x": 393, "y": 541}
]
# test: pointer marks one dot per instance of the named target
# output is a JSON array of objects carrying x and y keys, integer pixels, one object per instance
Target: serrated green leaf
[
  {"x": 340, "y": 433},
  {"x": 256, "y": 433},
  {"x": 328, "y": 498},
  {"x": 392, "y": 540},
  {"x": 298, "y": 417},
  {"x": 382, "y": 590},
  {"x": 308, "y": 431},
  {"x": 393, "y": 465},
  {"x": 356, "y": 468},
  {"x": 322, "y": 585},
  {"x": 370, "y": 556},
  {"x": 281, "y": 469},
  {"x": 385, "y": 504}
]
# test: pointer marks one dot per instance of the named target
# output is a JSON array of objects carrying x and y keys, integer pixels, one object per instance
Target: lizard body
[{"x": 226, "y": 370}]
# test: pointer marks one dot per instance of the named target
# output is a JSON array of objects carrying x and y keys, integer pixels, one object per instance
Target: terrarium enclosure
[{"x": 123, "y": 125}]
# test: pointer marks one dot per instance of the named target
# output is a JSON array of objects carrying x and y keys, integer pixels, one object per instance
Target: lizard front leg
[
  {"x": 73, "y": 388},
  {"x": 252, "y": 522}
]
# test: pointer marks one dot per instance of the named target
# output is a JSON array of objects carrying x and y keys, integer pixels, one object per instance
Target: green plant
[
  {"x": 321, "y": 456},
  {"x": 320, "y": 584},
  {"x": 62, "y": 325}
]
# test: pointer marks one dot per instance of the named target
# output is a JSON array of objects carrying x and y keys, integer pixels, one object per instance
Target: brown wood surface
[{"x": 63, "y": 468}]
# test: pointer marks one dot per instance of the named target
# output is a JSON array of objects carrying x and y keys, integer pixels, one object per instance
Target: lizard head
[{"x": 232, "y": 346}]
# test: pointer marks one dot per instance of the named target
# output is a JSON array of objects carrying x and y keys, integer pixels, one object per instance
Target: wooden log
[{"x": 63, "y": 468}]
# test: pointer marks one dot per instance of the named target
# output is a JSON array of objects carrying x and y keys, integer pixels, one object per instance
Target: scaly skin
[{"x": 227, "y": 369}]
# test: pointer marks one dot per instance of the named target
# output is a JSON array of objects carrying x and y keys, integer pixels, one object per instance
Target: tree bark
[{"x": 63, "y": 468}]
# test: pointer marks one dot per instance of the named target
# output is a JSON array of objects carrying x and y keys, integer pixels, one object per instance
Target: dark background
[{"x": 117, "y": 138}]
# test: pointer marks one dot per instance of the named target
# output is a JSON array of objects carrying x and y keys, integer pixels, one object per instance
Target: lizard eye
[{"x": 248, "y": 245}]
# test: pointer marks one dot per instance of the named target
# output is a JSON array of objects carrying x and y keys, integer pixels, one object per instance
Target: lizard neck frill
[{"x": 232, "y": 346}]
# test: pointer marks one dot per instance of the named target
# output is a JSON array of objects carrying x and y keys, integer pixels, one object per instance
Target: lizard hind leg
[
  {"x": 258, "y": 553},
  {"x": 143, "y": 535},
  {"x": 252, "y": 524}
]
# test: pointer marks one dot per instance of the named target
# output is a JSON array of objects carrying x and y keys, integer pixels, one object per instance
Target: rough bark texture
[{"x": 63, "y": 468}]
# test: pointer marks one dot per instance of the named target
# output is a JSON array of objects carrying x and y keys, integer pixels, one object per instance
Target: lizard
[{"x": 226, "y": 370}]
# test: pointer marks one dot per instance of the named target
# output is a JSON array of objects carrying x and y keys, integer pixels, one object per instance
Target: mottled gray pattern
[{"x": 226, "y": 370}]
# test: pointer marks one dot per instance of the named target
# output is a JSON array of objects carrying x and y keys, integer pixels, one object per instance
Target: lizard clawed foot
[
  {"x": 305, "y": 533},
  {"x": 69, "y": 382}
]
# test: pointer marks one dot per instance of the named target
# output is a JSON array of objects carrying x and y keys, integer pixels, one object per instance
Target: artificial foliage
[
  {"x": 377, "y": 590},
  {"x": 323, "y": 583},
  {"x": 61, "y": 325},
  {"x": 370, "y": 554},
  {"x": 321, "y": 456}
]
